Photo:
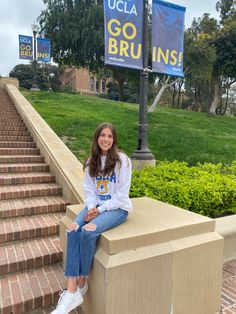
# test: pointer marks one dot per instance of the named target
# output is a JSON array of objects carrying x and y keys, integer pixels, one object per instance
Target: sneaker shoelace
[{"x": 64, "y": 299}]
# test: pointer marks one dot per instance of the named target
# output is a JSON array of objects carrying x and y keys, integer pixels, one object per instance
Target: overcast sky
[{"x": 16, "y": 17}]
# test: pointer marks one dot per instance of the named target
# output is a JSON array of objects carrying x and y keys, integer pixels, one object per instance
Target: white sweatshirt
[{"x": 109, "y": 192}]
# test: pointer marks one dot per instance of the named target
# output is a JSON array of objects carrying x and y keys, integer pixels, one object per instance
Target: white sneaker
[
  {"x": 68, "y": 301},
  {"x": 84, "y": 289}
]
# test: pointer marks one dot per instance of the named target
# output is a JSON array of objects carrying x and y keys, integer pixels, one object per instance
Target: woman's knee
[
  {"x": 74, "y": 226},
  {"x": 89, "y": 231}
]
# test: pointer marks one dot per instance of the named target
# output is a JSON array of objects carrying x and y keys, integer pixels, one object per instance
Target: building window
[
  {"x": 103, "y": 86},
  {"x": 91, "y": 83},
  {"x": 97, "y": 86}
]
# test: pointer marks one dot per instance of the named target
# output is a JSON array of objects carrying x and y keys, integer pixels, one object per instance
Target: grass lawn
[{"x": 173, "y": 134}]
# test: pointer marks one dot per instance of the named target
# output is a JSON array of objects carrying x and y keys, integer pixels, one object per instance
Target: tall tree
[
  {"x": 200, "y": 58},
  {"x": 224, "y": 42},
  {"x": 76, "y": 29}
]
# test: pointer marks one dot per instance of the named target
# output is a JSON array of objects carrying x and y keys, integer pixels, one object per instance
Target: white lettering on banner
[
  {"x": 25, "y": 40},
  {"x": 122, "y": 6}
]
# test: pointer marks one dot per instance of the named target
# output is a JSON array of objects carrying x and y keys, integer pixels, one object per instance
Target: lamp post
[
  {"x": 35, "y": 30},
  {"x": 50, "y": 76},
  {"x": 142, "y": 155}
]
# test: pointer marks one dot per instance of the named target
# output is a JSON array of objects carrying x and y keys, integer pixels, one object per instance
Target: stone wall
[{"x": 8, "y": 80}]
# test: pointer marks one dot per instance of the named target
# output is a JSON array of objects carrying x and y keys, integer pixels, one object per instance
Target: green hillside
[{"x": 173, "y": 134}]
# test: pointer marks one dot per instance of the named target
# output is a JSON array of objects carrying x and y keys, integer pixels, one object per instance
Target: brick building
[{"x": 81, "y": 80}]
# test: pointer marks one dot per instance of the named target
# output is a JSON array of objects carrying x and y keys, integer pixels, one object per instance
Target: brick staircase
[{"x": 31, "y": 205}]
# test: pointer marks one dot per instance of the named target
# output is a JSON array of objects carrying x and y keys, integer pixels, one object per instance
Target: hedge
[{"x": 207, "y": 189}]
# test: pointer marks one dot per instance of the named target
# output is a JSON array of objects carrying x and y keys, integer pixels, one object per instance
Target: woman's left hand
[{"x": 92, "y": 213}]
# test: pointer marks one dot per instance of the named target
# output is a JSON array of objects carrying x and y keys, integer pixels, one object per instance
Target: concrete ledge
[
  {"x": 226, "y": 227},
  {"x": 165, "y": 223},
  {"x": 176, "y": 252},
  {"x": 8, "y": 80},
  {"x": 63, "y": 164}
]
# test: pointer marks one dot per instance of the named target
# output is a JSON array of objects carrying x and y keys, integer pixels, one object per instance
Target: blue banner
[
  {"x": 123, "y": 33},
  {"x": 167, "y": 38},
  {"x": 43, "y": 50},
  {"x": 25, "y": 47}
]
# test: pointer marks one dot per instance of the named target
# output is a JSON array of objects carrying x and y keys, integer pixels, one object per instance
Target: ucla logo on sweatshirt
[
  {"x": 102, "y": 183},
  {"x": 102, "y": 186}
]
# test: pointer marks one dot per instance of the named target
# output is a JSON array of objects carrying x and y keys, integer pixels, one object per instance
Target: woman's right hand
[{"x": 92, "y": 213}]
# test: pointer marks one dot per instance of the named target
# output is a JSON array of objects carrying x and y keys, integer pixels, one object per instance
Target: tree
[
  {"x": 224, "y": 42},
  {"x": 226, "y": 9},
  {"x": 24, "y": 73},
  {"x": 47, "y": 76},
  {"x": 76, "y": 30},
  {"x": 200, "y": 57}
]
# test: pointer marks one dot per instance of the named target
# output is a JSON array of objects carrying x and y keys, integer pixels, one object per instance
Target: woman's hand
[{"x": 92, "y": 213}]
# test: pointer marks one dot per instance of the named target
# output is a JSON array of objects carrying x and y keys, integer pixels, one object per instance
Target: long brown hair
[{"x": 94, "y": 160}]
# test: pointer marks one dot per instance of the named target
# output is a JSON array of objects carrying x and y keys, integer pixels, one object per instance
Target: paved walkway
[{"x": 228, "y": 300}]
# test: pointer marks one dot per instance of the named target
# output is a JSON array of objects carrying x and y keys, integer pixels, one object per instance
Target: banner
[
  {"x": 123, "y": 33},
  {"x": 25, "y": 47},
  {"x": 43, "y": 50},
  {"x": 167, "y": 38}
]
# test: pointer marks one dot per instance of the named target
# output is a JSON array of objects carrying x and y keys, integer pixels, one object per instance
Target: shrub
[{"x": 207, "y": 189}]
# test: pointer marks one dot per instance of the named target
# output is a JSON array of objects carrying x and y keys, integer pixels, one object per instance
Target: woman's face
[{"x": 105, "y": 140}]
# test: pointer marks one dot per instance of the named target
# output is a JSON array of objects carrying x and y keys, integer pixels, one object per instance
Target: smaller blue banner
[
  {"x": 43, "y": 50},
  {"x": 167, "y": 38},
  {"x": 25, "y": 47}
]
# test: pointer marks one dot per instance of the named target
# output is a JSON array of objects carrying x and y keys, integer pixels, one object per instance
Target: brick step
[
  {"x": 12, "y": 128},
  {"x": 12, "y": 124},
  {"x": 10, "y": 118},
  {"x": 14, "y": 133},
  {"x": 49, "y": 309},
  {"x": 26, "y": 178},
  {"x": 19, "y": 151},
  {"x": 21, "y": 159},
  {"x": 23, "y": 228},
  {"x": 29, "y": 190},
  {"x": 10, "y": 115},
  {"x": 8, "y": 106},
  {"x": 18, "y": 144},
  {"x": 27, "y": 167},
  {"x": 32, "y": 206},
  {"x": 20, "y": 256},
  {"x": 13, "y": 138},
  {"x": 33, "y": 289}
]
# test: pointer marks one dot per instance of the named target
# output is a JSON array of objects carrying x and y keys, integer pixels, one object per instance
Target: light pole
[
  {"x": 35, "y": 30},
  {"x": 50, "y": 76},
  {"x": 142, "y": 155}
]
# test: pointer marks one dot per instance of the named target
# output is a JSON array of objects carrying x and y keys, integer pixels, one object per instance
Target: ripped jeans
[{"x": 82, "y": 243}]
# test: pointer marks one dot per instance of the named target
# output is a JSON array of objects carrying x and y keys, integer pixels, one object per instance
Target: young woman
[{"x": 107, "y": 203}]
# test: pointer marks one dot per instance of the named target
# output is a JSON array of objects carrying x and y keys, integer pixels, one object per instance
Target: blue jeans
[{"x": 82, "y": 243}]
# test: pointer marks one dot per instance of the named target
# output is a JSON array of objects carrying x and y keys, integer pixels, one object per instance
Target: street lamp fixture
[{"x": 35, "y": 30}]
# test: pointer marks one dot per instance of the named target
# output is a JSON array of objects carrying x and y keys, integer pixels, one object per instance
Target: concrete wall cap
[
  {"x": 150, "y": 223},
  {"x": 163, "y": 223},
  {"x": 226, "y": 226}
]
